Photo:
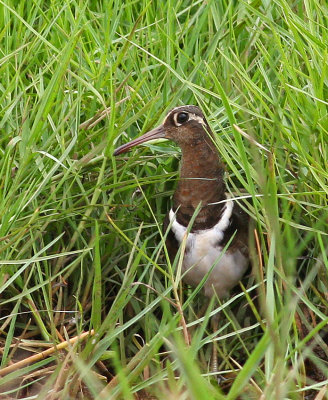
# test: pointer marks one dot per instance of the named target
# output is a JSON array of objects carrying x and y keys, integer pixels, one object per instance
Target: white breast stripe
[{"x": 215, "y": 233}]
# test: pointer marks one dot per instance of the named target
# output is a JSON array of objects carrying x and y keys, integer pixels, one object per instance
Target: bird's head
[{"x": 185, "y": 125}]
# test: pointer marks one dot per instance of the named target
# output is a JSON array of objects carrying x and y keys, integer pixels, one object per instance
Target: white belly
[
  {"x": 225, "y": 269},
  {"x": 204, "y": 254}
]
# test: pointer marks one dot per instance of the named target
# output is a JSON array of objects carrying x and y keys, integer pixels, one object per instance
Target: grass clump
[{"x": 80, "y": 239}]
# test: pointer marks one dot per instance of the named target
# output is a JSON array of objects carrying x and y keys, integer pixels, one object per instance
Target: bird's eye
[{"x": 182, "y": 117}]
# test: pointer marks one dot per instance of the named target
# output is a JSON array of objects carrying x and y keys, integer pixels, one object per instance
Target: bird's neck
[{"x": 201, "y": 182}]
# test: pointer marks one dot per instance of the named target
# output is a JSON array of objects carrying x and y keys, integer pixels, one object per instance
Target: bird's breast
[{"x": 205, "y": 256}]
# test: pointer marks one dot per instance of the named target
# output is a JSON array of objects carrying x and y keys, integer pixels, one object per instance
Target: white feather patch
[
  {"x": 196, "y": 118},
  {"x": 204, "y": 254},
  {"x": 215, "y": 233},
  {"x": 192, "y": 116}
]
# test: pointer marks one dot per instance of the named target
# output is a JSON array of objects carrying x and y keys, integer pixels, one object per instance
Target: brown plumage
[{"x": 219, "y": 217}]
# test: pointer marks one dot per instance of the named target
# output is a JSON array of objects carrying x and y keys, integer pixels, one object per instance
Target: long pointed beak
[{"x": 157, "y": 133}]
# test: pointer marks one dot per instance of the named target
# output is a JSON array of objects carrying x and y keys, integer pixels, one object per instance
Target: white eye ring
[
  {"x": 191, "y": 116},
  {"x": 184, "y": 117}
]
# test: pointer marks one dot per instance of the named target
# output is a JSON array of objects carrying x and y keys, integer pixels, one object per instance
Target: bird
[{"x": 201, "y": 189}]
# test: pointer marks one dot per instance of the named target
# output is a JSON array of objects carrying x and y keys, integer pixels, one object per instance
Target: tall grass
[{"x": 80, "y": 231}]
